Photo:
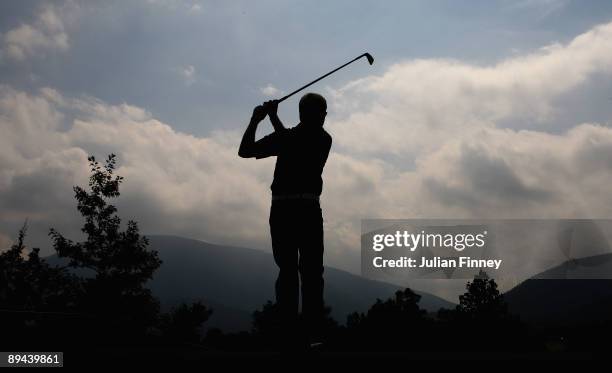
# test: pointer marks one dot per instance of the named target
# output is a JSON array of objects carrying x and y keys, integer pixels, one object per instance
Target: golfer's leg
[
  {"x": 311, "y": 263},
  {"x": 285, "y": 255}
]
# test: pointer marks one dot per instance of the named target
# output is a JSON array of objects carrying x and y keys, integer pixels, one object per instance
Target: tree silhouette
[
  {"x": 267, "y": 321},
  {"x": 111, "y": 253},
  {"x": 184, "y": 322},
  {"x": 482, "y": 301},
  {"x": 119, "y": 259},
  {"x": 99, "y": 297},
  {"x": 482, "y": 315},
  {"x": 31, "y": 291},
  {"x": 387, "y": 323},
  {"x": 28, "y": 283}
]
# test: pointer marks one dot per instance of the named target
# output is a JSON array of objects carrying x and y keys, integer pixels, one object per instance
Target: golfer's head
[{"x": 313, "y": 109}]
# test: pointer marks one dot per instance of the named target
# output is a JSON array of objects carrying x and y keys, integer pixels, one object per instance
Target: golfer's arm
[
  {"x": 326, "y": 153},
  {"x": 276, "y": 122},
  {"x": 247, "y": 145}
]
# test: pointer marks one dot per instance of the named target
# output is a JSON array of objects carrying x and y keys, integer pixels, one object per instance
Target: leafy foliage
[
  {"x": 400, "y": 311},
  {"x": 28, "y": 283},
  {"x": 184, "y": 322},
  {"x": 118, "y": 256},
  {"x": 482, "y": 301},
  {"x": 388, "y": 322},
  {"x": 119, "y": 259},
  {"x": 108, "y": 301}
]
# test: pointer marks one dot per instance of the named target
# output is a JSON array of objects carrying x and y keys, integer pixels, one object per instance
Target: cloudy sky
[{"x": 472, "y": 109}]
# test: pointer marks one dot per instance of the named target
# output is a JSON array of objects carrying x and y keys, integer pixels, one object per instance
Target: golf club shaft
[{"x": 316, "y": 80}]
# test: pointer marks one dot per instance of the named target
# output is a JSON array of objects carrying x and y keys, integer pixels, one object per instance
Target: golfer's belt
[{"x": 280, "y": 197}]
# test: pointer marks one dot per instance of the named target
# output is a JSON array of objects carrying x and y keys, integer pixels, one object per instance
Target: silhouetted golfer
[{"x": 296, "y": 221}]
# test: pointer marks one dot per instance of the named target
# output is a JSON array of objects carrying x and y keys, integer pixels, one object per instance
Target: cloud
[
  {"x": 192, "y": 7},
  {"x": 182, "y": 183},
  {"x": 47, "y": 33},
  {"x": 426, "y": 138},
  {"x": 415, "y": 105},
  {"x": 544, "y": 7},
  {"x": 195, "y": 8},
  {"x": 188, "y": 73},
  {"x": 270, "y": 90}
]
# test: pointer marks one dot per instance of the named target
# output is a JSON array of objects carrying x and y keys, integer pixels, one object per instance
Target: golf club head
[{"x": 369, "y": 57}]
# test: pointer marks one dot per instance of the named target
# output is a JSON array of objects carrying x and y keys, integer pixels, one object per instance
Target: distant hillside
[
  {"x": 236, "y": 281},
  {"x": 581, "y": 297}
]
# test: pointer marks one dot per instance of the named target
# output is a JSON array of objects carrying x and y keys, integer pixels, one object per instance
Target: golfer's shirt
[{"x": 301, "y": 155}]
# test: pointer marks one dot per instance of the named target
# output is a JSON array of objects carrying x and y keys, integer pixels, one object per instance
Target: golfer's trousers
[{"x": 296, "y": 227}]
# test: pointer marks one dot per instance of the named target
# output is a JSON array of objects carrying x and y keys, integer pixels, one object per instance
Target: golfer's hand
[
  {"x": 271, "y": 107},
  {"x": 259, "y": 113}
]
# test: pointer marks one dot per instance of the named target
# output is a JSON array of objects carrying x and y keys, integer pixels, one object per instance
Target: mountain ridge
[
  {"x": 574, "y": 292},
  {"x": 243, "y": 279},
  {"x": 236, "y": 281}
]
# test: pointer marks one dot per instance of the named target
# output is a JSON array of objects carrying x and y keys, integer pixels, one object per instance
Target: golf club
[{"x": 366, "y": 55}]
